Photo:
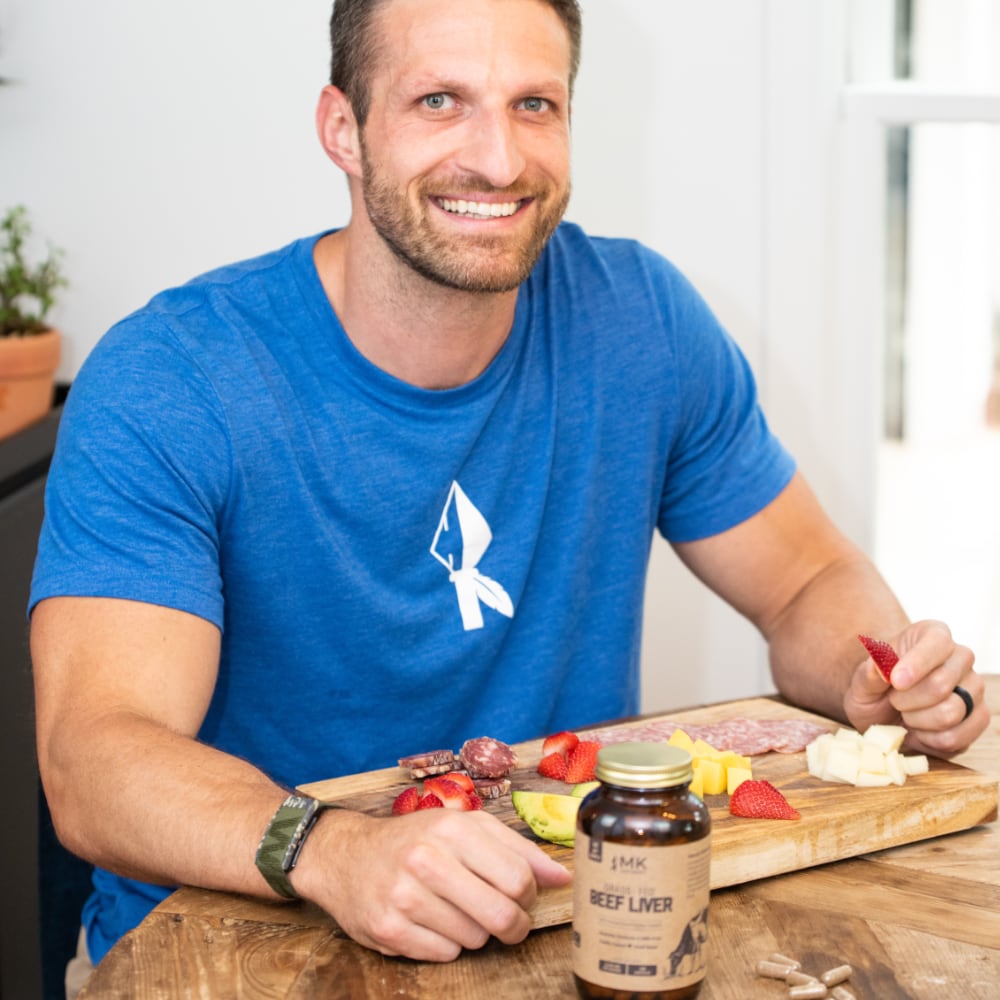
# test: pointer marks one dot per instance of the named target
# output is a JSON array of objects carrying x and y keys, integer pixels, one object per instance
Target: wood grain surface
[
  {"x": 838, "y": 821},
  {"x": 915, "y": 922}
]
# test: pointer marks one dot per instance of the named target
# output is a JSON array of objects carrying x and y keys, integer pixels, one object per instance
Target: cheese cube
[
  {"x": 816, "y": 754},
  {"x": 871, "y": 759},
  {"x": 894, "y": 767},
  {"x": 849, "y": 737},
  {"x": 916, "y": 764},
  {"x": 886, "y": 738},
  {"x": 841, "y": 763},
  {"x": 872, "y": 779}
]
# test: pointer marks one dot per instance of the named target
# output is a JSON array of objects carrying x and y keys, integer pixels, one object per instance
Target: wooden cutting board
[{"x": 838, "y": 821}]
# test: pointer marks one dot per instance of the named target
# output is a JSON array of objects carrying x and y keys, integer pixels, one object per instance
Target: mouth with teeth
[{"x": 478, "y": 209}]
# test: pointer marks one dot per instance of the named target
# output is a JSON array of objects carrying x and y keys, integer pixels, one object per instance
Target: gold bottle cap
[{"x": 643, "y": 765}]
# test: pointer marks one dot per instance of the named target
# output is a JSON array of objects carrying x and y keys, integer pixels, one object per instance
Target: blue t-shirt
[{"x": 396, "y": 569}]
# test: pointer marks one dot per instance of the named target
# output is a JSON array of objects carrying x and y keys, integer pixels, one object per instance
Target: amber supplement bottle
[{"x": 641, "y": 878}]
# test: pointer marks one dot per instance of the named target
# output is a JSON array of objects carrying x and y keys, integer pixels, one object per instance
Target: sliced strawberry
[
  {"x": 553, "y": 765},
  {"x": 882, "y": 653},
  {"x": 429, "y": 801},
  {"x": 461, "y": 779},
  {"x": 475, "y": 802},
  {"x": 561, "y": 743},
  {"x": 451, "y": 794},
  {"x": 581, "y": 761},
  {"x": 759, "y": 799},
  {"x": 406, "y": 801}
]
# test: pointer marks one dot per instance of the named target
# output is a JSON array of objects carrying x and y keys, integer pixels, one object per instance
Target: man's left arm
[{"x": 811, "y": 592}]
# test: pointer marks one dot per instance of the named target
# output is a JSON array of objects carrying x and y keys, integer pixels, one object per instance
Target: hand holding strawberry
[{"x": 884, "y": 656}]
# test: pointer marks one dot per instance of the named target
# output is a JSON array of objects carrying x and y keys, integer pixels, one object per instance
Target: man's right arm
[{"x": 122, "y": 688}]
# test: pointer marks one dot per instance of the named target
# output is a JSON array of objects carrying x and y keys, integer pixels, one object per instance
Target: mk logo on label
[{"x": 619, "y": 864}]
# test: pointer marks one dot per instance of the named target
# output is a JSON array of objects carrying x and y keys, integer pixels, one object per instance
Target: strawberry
[
  {"x": 451, "y": 794},
  {"x": 553, "y": 765},
  {"x": 406, "y": 801},
  {"x": 759, "y": 799},
  {"x": 475, "y": 802},
  {"x": 429, "y": 801},
  {"x": 580, "y": 762},
  {"x": 882, "y": 653},
  {"x": 461, "y": 779},
  {"x": 560, "y": 743}
]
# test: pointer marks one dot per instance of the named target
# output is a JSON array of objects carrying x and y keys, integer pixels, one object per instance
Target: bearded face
[{"x": 462, "y": 233}]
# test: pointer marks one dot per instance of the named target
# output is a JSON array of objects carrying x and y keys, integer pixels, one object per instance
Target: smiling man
[{"x": 394, "y": 486}]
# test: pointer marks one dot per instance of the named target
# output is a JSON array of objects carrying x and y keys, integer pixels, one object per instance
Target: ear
[{"x": 338, "y": 130}]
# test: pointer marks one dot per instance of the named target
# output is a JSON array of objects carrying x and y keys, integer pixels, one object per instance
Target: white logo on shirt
[{"x": 471, "y": 586}]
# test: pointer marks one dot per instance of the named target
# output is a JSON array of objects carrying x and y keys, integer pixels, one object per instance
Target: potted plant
[{"x": 29, "y": 346}]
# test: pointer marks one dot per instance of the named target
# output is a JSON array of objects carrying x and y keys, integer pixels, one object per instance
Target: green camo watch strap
[{"x": 279, "y": 848}]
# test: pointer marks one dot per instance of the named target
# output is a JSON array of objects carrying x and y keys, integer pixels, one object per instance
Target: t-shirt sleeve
[
  {"x": 724, "y": 463},
  {"x": 139, "y": 479}
]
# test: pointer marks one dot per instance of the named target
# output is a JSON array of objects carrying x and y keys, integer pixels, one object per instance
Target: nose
[{"x": 493, "y": 149}]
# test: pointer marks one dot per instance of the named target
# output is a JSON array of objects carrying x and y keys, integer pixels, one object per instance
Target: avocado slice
[
  {"x": 551, "y": 817},
  {"x": 582, "y": 790}
]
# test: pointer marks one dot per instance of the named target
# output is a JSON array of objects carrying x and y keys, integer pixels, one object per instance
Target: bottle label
[{"x": 640, "y": 914}]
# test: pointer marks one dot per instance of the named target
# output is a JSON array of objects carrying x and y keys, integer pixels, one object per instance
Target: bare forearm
[
  {"x": 814, "y": 648},
  {"x": 154, "y": 805}
]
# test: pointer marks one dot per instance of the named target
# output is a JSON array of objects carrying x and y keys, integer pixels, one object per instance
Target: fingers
[
  {"x": 428, "y": 884},
  {"x": 931, "y": 666}
]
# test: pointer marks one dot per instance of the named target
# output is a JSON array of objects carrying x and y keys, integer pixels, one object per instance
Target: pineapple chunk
[
  {"x": 735, "y": 776},
  {"x": 713, "y": 776},
  {"x": 698, "y": 783},
  {"x": 730, "y": 758},
  {"x": 679, "y": 738},
  {"x": 704, "y": 750}
]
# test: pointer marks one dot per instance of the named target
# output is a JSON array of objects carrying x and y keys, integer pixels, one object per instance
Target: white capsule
[
  {"x": 812, "y": 991},
  {"x": 838, "y": 975},
  {"x": 780, "y": 959},
  {"x": 773, "y": 970},
  {"x": 796, "y": 978}
]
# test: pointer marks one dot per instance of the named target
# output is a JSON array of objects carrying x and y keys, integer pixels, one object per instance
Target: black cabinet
[{"x": 34, "y": 924}]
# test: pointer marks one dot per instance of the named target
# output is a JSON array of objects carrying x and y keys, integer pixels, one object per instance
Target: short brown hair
[{"x": 354, "y": 46}]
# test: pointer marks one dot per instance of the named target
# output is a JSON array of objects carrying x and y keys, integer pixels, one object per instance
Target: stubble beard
[{"x": 480, "y": 263}]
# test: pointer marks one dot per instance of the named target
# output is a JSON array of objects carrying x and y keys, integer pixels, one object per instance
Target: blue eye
[
  {"x": 436, "y": 102},
  {"x": 534, "y": 104}
]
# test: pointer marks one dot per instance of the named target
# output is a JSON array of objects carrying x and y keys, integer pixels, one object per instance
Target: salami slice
[
  {"x": 491, "y": 788},
  {"x": 422, "y": 765},
  {"x": 749, "y": 737},
  {"x": 485, "y": 757}
]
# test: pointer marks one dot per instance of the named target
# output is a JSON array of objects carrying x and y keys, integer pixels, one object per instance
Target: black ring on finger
[{"x": 967, "y": 698}]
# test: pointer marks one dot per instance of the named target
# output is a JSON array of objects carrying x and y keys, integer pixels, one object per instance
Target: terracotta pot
[{"x": 27, "y": 378}]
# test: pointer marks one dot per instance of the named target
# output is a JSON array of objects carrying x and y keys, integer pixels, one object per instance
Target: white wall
[{"x": 153, "y": 142}]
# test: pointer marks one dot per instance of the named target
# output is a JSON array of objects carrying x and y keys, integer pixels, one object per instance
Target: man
[{"x": 394, "y": 487}]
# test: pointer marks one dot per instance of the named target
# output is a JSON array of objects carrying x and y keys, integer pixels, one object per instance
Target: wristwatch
[{"x": 279, "y": 848}]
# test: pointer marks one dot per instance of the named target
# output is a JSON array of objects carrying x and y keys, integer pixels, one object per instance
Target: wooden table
[{"x": 920, "y": 922}]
